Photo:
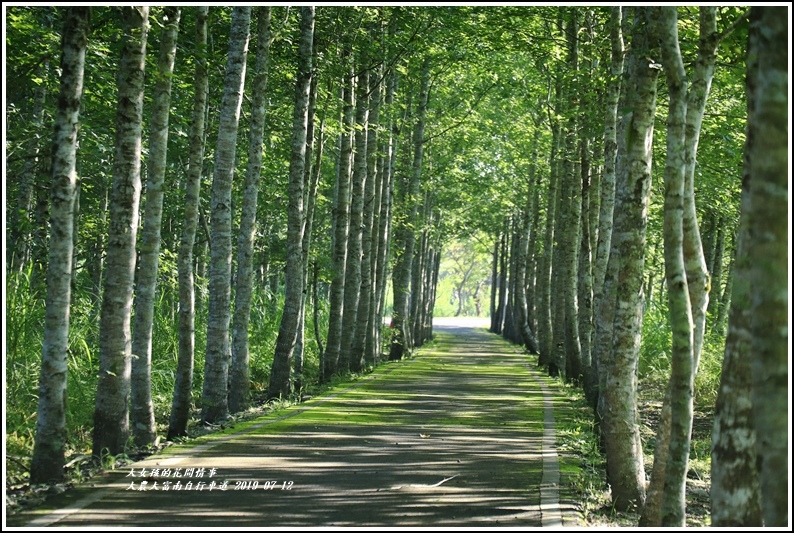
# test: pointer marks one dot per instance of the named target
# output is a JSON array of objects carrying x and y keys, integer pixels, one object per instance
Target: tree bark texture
[
  {"x": 387, "y": 203},
  {"x": 607, "y": 193},
  {"x": 682, "y": 374},
  {"x": 341, "y": 230},
  {"x": 401, "y": 321},
  {"x": 533, "y": 266},
  {"x": 375, "y": 170},
  {"x": 214, "y": 398},
  {"x": 183, "y": 385},
  {"x": 280, "y": 385},
  {"x": 142, "y": 412},
  {"x": 769, "y": 165},
  {"x": 509, "y": 328},
  {"x": 50, "y": 441},
  {"x": 545, "y": 278},
  {"x": 559, "y": 359},
  {"x": 311, "y": 183},
  {"x": 349, "y": 361},
  {"x": 584, "y": 284},
  {"x": 111, "y": 416},
  {"x": 239, "y": 380},
  {"x": 735, "y": 488},
  {"x": 522, "y": 315},
  {"x": 572, "y": 221},
  {"x": 419, "y": 275},
  {"x": 621, "y": 422},
  {"x": 695, "y": 263},
  {"x": 494, "y": 285}
]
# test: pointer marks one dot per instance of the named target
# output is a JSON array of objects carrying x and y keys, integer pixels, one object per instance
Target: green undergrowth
[
  {"x": 654, "y": 357},
  {"x": 376, "y": 398},
  {"x": 654, "y": 374},
  {"x": 578, "y": 434},
  {"x": 25, "y": 307},
  {"x": 582, "y": 466}
]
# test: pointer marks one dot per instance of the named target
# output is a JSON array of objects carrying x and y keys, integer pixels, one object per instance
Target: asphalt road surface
[{"x": 462, "y": 435}]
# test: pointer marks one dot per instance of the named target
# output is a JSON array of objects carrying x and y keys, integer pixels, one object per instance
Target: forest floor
[
  {"x": 576, "y": 438},
  {"x": 460, "y": 435}
]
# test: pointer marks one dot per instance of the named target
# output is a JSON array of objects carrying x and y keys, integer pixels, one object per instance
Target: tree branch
[
  {"x": 465, "y": 117},
  {"x": 730, "y": 29}
]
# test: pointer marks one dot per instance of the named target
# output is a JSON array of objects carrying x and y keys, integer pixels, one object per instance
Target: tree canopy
[{"x": 352, "y": 163}]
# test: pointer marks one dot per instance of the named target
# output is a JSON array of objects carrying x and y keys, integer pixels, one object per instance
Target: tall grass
[
  {"x": 24, "y": 336},
  {"x": 655, "y": 357}
]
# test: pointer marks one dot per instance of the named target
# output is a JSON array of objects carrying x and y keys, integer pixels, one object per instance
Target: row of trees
[
  {"x": 354, "y": 178},
  {"x": 368, "y": 138},
  {"x": 574, "y": 281}
]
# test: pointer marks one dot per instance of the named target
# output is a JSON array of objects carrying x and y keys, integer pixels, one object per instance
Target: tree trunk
[
  {"x": 572, "y": 230},
  {"x": 311, "y": 183},
  {"x": 387, "y": 202},
  {"x": 709, "y": 239},
  {"x": 142, "y": 412},
  {"x": 341, "y": 230},
  {"x": 348, "y": 360},
  {"x": 183, "y": 386},
  {"x": 721, "y": 320},
  {"x": 558, "y": 355},
  {"x": 584, "y": 284},
  {"x": 214, "y": 397},
  {"x": 690, "y": 106},
  {"x": 75, "y": 230},
  {"x": 545, "y": 325},
  {"x": 510, "y": 288},
  {"x": 400, "y": 342},
  {"x": 533, "y": 266},
  {"x": 695, "y": 263},
  {"x": 501, "y": 309},
  {"x": 41, "y": 218},
  {"x": 682, "y": 374},
  {"x": 434, "y": 265},
  {"x": 735, "y": 488},
  {"x": 460, "y": 287},
  {"x": 621, "y": 422},
  {"x": 366, "y": 288},
  {"x": 50, "y": 442},
  {"x": 494, "y": 286},
  {"x": 426, "y": 327},
  {"x": 419, "y": 275},
  {"x": 526, "y": 333},
  {"x": 19, "y": 216},
  {"x": 288, "y": 329},
  {"x": 111, "y": 416},
  {"x": 375, "y": 164},
  {"x": 239, "y": 380},
  {"x": 316, "y": 312},
  {"x": 96, "y": 260},
  {"x": 715, "y": 273},
  {"x": 769, "y": 163},
  {"x": 434, "y": 292},
  {"x": 607, "y": 189}
]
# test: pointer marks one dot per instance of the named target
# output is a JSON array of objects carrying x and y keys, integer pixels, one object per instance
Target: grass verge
[{"x": 583, "y": 466}]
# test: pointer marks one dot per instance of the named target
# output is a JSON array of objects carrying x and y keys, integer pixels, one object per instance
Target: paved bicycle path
[{"x": 458, "y": 436}]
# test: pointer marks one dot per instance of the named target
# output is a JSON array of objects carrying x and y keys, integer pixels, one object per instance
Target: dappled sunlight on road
[{"x": 453, "y": 437}]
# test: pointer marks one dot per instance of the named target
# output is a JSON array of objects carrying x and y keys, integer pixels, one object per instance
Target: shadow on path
[{"x": 454, "y": 437}]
